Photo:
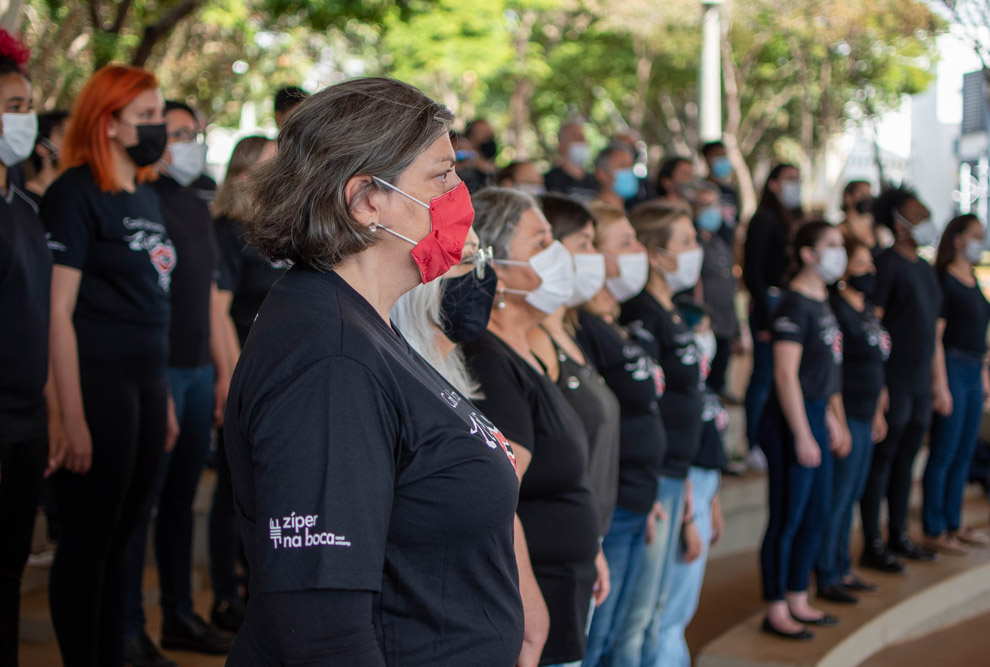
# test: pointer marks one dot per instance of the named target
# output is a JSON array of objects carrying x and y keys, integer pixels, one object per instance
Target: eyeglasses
[
  {"x": 481, "y": 258},
  {"x": 186, "y": 135}
]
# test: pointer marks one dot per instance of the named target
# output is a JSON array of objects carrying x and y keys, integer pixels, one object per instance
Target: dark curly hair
[{"x": 891, "y": 199}]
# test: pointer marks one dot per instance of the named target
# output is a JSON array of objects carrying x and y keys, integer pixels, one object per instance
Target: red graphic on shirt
[
  {"x": 163, "y": 258},
  {"x": 659, "y": 379}
]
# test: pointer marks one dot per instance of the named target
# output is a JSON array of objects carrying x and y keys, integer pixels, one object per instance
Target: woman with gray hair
[
  {"x": 559, "y": 519},
  {"x": 371, "y": 494}
]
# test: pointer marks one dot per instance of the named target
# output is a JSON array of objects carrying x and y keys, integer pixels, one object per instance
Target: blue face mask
[
  {"x": 721, "y": 168},
  {"x": 710, "y": 219},
  {"x": 626, "y": 184}
]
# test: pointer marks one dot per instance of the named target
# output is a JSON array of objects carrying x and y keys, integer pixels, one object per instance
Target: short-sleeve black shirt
[
  {"x": 966, "y": 313},
  {"x": 190, "y": 226},
  {"x": 811, "y": 324},
  {"x": 245, "y": 273},
  {"x": 666, "y": 337},
  {"x": 121, "y": 245},
  {"x": 556, "y": 506},
  {"x": 25, "y": 292},
  {"x": 910, "y": 297},
  {"x": 638, "y": 383},
  {"x": 558, "y": 180},
  {"x": 356, "y": 466},
  {"x": 865, "y": 347}
]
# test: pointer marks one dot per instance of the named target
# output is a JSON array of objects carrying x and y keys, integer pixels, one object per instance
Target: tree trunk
[
  {"x": 733, "y": 118},
  {"x": 522, "y": 92},
  {"x": 10, "y": 14},
  {"x": 161, "y": 28},
  {"x": 644, "y": 70}
]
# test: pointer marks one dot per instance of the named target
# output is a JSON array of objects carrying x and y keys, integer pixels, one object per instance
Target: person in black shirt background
[
  {"x": 796, "y": 433},
  {"x": 25, "y": 279},
  {"x": 286, "y": 99},
  {"x": 109, "y": 328},
  {"x": 764, "y": 264},
  {"x": 961, "y": 383},
  {"x": 242, "y": 285},
  {"x": 907, "y": 299},
  {"x": 654, "y": 322},
  {"x": 559, "y": 525},
  {"x": 637, "y": 381},
  {"x": 865, "y": 348},
  {"x": 193, "y": 351},
  {"x": 857, "y": 211},
  {"x": 371, "y": 495},
  {"x": 568, "y": 175},
  {"x": 44, "y": 160}
]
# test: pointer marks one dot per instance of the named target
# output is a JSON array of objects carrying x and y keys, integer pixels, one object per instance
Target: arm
[
  {"x": 65, "y": 369},
  {"x": 537, "y": 618},
  {"x": 941, "y": 397},
  {"x": 223, "y": 356},
  {"x": 880, "y": 418},
  {"x": 56, "y": 434},
  {"x": 840, "y": 440},
  {"x": 786, "y": 362},
  {"x": 718, "y": 520}
]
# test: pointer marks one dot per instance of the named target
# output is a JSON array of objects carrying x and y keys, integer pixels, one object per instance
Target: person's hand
[
  {"x": 942, "y": 401},
  {"x": 842, "y": 444},
  {"x": 691, "y": 539},
  {"x": 603, "y": 584},
  {"x": 536, "y": 626},
  {"x": 879, "y": 427},
  {"x": 834, "y": 429},
  {"x": 57, "y": 444},
  {"x": 220, "y": 389},
  {"x": 737, "y": 346},
  {"x": 78, "y": 446},
  {"x": 171, "y": 427},
  {"x": 718, "y": 521},
  {"x": 808, "y": 453},
  {"x": 763, "y": 336},
  {"x": 657, "y": 514}
]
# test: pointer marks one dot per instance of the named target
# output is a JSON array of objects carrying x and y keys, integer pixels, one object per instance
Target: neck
[
  {"x": 444, "y": 345},
  {"x": 372, "y": 274},
  {"x": 554, "y": 323},
  {"x": 960, "y": 266},
  {"x": 606, "y": 195},
  {"x": 657, "y": 287},
  {"x": 808, "y": 283},
  {"x": 3, "y": 177},
  {"x": 906, "y": 247},
  {"x": 513, "y": 322},
  {"x": 861, "y": 226},
  {"x": 575, "y": 170},
  {"x": 123, "y": 167},
  {"x": 855, "y": 297}
]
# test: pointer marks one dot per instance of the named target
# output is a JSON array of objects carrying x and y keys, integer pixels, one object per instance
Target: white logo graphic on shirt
[
  {"x": 451, "y": 398},
  {"x": 148, "y": 236},
  {"x": 491, "y": 435},
  {"x": 293, "y": 532}
]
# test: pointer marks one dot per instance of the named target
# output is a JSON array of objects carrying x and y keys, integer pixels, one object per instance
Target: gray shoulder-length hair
[
  {"x": 373, "y": 126},
  {"x": 497, "y": 212},
  {"x": 417, "y": 314}
]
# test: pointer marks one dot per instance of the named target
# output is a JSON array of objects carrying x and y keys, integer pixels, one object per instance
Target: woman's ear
[
  {"x": 807, "y": 255},
  {"x": 364, "y": 200}
]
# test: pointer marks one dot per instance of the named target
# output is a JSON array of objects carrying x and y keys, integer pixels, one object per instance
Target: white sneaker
[{"x": 756, "y": 460}]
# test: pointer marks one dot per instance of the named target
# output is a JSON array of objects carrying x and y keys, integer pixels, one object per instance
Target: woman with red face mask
[{"x": 371, "y": 494}]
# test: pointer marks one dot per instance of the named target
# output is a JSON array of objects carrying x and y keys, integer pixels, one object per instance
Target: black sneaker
[
  {"x": 228, "y": 615},
  {"x": 877, "y": 556},
  {"x": 837, "y": 593},
  {"x": 140, "y": 651},
  {"x": 857, "y": 585},
  {"x": 904, "y": 547},
  {"x": 191, "y": 633}
]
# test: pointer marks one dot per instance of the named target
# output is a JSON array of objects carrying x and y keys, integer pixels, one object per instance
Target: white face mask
[
  {"x": 20, "y": 130},
  {"x": 533, "y": 189},
  {"x": 790, "y": 194},
  {"x": 688, "y": 270},
  {"x": 188, "y": 161},
  {"x": 555, "y": 268},
  {"x": 973, "y": 251},
  {"x": 634, "y": 269},
  {"x": 923, "y": 233},
  {"x": 589, "y": 277},
  {"x": 578, "y": 153},
  {"x": 832, "y": 264}
]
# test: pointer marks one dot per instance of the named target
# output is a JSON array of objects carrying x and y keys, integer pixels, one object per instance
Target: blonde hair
[
  {"x": 232, "y": 197},
  {"x": 654, "y": 220}
]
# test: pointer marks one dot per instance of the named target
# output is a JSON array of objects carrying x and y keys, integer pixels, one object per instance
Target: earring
[
  {"x": 373, "y": 227},
  {"x": 501, "y": 299}
]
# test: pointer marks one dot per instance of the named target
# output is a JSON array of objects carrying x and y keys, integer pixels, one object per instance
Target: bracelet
[{"x": 688, "y": 521}]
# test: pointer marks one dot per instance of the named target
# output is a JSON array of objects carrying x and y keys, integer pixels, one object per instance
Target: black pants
[
  {"x": 21, "y": 467},
  {"x": 100, "y": 509},
  {"x": 225, "y": 538},
  {"x": 720, "y": 365},
  {"x": 893, "y": 461}
]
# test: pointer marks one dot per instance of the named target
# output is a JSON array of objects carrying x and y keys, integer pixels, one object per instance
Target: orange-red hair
[{"x": 86, "y": 142}]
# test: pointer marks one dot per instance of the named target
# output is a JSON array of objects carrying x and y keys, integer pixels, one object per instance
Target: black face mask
[
  {"x": 466, "y": 305},
  {"x": 489, "y": 149},
  {"x": 864, "y": 206},
  {"x": 863, "y": 283},
  {"x": 150, "y": 146}
]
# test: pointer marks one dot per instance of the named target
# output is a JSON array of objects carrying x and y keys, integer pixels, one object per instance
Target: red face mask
[{"x": 451, "y": 215}]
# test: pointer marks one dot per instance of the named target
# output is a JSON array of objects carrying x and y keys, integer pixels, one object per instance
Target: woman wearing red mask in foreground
[{"x": 371, "y": 495}]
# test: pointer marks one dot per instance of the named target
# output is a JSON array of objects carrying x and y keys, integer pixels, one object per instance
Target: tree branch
[
  {"x": 154, "y": 32},
  {"x": 118, "y": 22},
  {"x": 94, "y": 14}
]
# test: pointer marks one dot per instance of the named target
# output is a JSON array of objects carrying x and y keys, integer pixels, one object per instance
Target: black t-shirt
[
  {"x": 714, "y": 421},
  {"x": 190, "y": 226},
  {"x": 558, "y": 180},
  {"x": 865, "y": 348},
  {"x": 719, "y": 285},
  {"x": 592, "y": 399},
  {"x": 120, "y": 244},
  {"x": 966, "y": 314},
  {"x": 911, "y": 300},
  {"x": 556, "y": 506},
  {"x": 25, "y": 294},
  {"x": 811, "y": 324},
  {"x": 356, "y": 466},
  {"x": 765, "y": 261},
  {"x": 729, "y": 200},
  {"x": 666, "y": 338},
  {"x": 245, "y": 273},
  {"x": 638, "y": 382}
]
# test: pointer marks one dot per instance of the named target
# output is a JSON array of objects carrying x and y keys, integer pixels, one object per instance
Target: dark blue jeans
[
  {"x": 761, "y": 381},
  {"x": 953, "y": 441},
  {"x": 800, "y": 499},
  {"x": 848, "y": 481},
  {"x": 192, "y": 393}
]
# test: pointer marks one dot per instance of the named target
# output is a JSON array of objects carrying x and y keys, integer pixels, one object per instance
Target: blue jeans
[
  {"x": 800, "y": 499},
  {"x": 623, "y": 547},
  {"x": 953, "y": 441},
  {"x": 636, "y": 639},
  {"x": 686, "y": 578},
  {"x": 848, "y": 481},
  {"x": 761, "y": 380},
  {"x": 192, "y": 393}
]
